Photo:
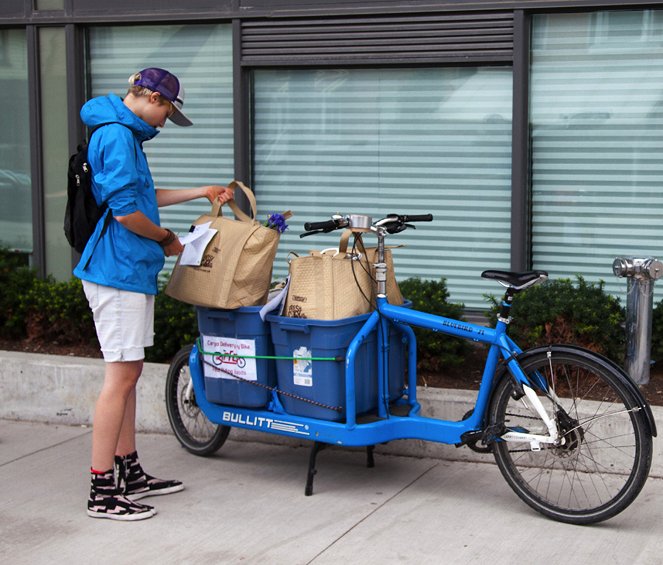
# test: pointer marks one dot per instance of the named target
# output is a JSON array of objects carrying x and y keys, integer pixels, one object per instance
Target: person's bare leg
[
  {"x": 118, "y": 392},
  {"x": 127, "y": 441}
]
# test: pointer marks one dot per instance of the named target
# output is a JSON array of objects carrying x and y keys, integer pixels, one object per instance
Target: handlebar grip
[
  {"x": 327, "y": 225},
  {"x": 418, "y": 218}
]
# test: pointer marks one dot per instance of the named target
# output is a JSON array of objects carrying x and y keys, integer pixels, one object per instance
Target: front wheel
[
  {"x": 603, "y": 459},
  {"x": 191, "y": 427}
]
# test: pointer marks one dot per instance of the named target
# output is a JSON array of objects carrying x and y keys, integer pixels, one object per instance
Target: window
[
  {"x": 15, "y": 181},
  {"x": 406, "y": 141},
  {"x": 54, "y": 152},
  {"x": 622, "y": 29},
  {"x": 201, "y": 57},
  {"x": 597, "y": 142}
]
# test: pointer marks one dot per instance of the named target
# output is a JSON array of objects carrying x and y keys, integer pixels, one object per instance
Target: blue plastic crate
[
  {"x": 323, "y": 382},
  {"x": 238, "y": 332}
]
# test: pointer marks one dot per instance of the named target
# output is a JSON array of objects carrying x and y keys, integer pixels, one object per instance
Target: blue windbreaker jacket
[{"x": 122, "y": 178}]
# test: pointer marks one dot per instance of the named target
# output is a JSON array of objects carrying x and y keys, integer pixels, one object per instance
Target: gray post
[{"x": 641, "y": 275}]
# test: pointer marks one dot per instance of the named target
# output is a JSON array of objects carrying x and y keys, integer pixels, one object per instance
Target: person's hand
[
  {"x": 221, "y": 193},
  {"x": 173, "y": 248},
  {"x": 170, "y": 244}
]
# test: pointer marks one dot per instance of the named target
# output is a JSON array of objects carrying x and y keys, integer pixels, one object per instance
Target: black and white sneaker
[
  {"x": 106, "y": 501},
  {"x": 134, "y": 483}
]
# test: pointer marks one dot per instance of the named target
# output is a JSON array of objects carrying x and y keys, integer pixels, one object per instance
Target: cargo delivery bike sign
[{"x": 229, "y": 358}]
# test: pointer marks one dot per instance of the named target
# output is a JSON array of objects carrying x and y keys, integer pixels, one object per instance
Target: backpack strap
[
  {"x": 107, "y": 220},
  {"x": 106, "y": 215}
]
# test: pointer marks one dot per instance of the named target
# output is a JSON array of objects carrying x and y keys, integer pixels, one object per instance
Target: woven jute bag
[
  {"x": 236, "y": 269},
  {"x": 333, "y": 283},
  {"x": 328, "y": 285}
]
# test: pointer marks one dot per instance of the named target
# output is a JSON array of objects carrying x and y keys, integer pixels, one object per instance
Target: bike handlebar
[
  {"x": 328, "y": 225},
  {"x": 393, "y": 223},
  {"x": 418, "y": 218}
]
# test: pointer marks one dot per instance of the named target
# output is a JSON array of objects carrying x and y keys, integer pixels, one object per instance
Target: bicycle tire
[
  {"x": 190, "y": 425},
  {"x": 605, "y": 460}
]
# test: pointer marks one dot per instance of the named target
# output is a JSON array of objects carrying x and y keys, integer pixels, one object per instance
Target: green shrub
[
  {"x": 57, "y": 312},
  {"x": 175, "y": 325},
  {"x": 435, "y": 351},
  {"x": 557, "y": 311},
  {"x": 560, "y": 312},
  {"x": 48, "y": 311},
  {"x": 41, "y": 310},
  {"x": 15, "y": 278}
]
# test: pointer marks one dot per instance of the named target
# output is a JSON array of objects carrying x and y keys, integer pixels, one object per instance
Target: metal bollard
[{"x": 641, "y": 275}]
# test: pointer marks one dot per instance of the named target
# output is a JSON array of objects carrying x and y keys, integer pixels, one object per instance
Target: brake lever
[
  {"x": 314, "y": 232},
  {"x": 398, "y": 228}
]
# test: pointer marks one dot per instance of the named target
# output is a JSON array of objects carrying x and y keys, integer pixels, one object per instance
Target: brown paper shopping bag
[
  {"x": 236, "y": 269},
  {"x": 334, "y": 283},
  {"x": 328, "y": 285}
]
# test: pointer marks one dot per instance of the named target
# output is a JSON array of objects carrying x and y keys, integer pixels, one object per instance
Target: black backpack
[{"x": 82, "y": 213}]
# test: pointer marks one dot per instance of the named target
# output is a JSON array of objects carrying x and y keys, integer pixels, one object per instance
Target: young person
[{"x": 119, "y": 269}]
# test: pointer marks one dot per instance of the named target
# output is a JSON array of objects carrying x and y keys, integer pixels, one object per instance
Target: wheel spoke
[
  {"x": 603, "y": 461},
  {"x": 190, "y": 425}
]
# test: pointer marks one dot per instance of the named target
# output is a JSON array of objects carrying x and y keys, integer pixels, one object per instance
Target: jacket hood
[{"x": 110, "y": 108}]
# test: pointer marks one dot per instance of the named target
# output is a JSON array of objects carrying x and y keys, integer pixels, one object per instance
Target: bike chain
[
  {"x": 275, "y": 389},
  {"x": 522, "y": 416}
]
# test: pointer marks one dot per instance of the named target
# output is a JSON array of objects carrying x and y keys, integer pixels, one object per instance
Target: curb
[{"x": 63, "y": 389}]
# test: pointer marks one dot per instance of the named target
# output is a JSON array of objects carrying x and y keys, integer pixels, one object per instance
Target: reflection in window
[
  {"x": 201, "y": 56},
  {"x": 406, "y": 141},
  {"x": 15, "y": 185},
  {"x": 597, "y": 140}
]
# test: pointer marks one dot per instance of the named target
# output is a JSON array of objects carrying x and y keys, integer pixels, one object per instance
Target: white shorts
[{"x": 124, "y": 321}]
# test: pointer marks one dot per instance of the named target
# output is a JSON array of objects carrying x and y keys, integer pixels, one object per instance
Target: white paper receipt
[
  {"x": 195, "y": 243},
  {"x": 302, "y": 369}
]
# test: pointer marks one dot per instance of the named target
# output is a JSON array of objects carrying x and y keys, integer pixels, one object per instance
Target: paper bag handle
[
  {"x": 345, "y": 238},
  {"x": 343, "y": 246},
  {"x": 237, "y": 211}
]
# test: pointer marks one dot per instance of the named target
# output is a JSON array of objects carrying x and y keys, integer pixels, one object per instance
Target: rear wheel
[
  {"x": 191, "y": 427},
  {"x": 602, "y": 461}
]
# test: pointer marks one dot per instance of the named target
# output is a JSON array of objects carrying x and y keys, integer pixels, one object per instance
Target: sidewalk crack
[
  {"x": 46, "y": 448},
  {"x": 387, "y": 501}
]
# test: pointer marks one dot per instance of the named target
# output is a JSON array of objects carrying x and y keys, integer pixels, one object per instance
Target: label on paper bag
[
  {"x": 302, "y": 369},
  {"x": 224, "y": 358}
]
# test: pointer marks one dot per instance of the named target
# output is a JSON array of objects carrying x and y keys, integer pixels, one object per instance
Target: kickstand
[
  {"x": 370, "y": 462},
  {"x": 317, "y": 446}
]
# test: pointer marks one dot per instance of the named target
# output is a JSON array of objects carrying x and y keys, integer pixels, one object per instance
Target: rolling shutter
[{"x": 448, "y": 37}]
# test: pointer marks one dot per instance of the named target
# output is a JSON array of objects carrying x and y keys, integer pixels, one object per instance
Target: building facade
[{"x": 531, "y": 130}]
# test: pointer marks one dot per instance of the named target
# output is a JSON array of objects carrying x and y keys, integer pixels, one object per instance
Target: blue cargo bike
[{"x": 570, "y": 431}]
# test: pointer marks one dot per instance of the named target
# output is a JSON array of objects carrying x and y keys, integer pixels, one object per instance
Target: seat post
[{"x": 507, "y": 302}]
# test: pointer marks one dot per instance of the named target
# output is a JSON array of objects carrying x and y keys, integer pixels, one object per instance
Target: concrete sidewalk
[
  {"x": 62, "y": 390},
  {"x": 246, "y": 504}
]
